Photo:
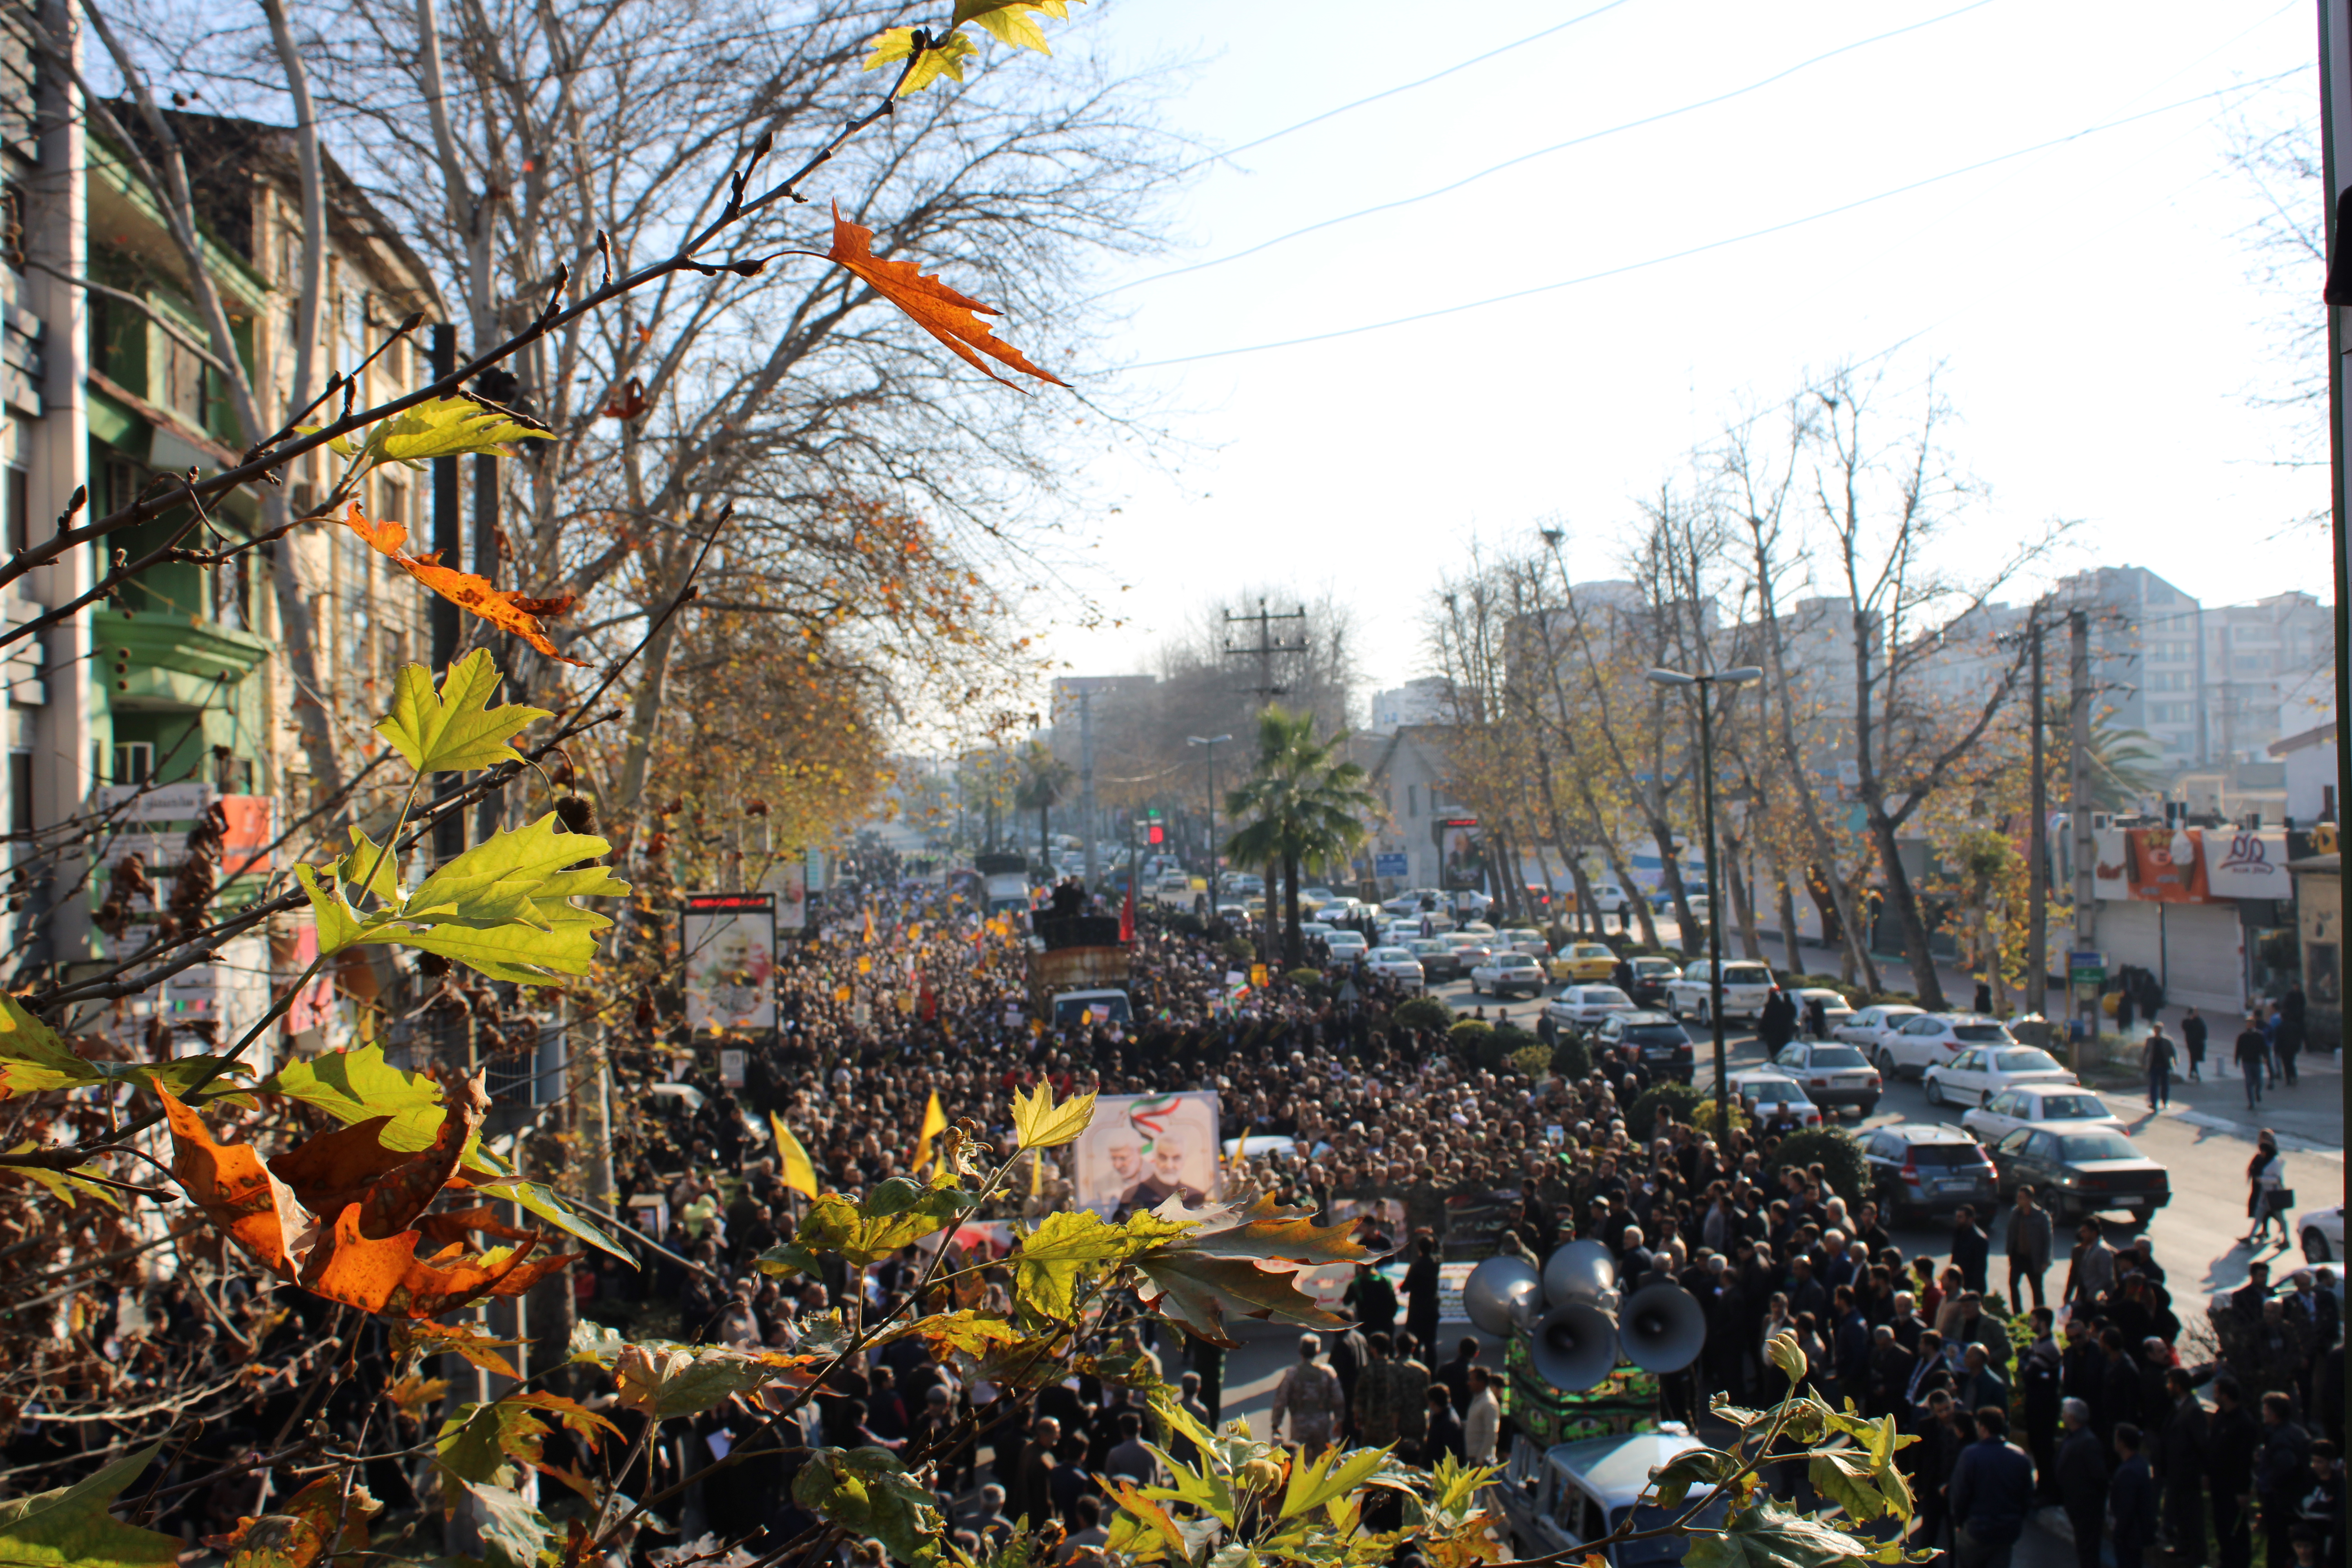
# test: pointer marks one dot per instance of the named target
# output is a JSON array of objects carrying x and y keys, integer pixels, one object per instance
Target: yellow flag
[
  {"x": 935, "y": 1121},
  {"x": 799, "y": 1171},
  {"x": 869, "y": 925}
]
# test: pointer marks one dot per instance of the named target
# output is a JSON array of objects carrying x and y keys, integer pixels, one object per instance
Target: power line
[
  {"x": 1393, "y": 91},
  {"x": 1718, "y": 244},
  {"x": 1542, "y": 151}
]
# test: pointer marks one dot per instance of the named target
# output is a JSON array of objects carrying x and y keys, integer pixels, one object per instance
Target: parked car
[
  {"x": 2032, "y": 1105},
  {"x": 1346, "y": 946},
  {"x": 1664, "y": 1045},
  {"x": 1979, "y": 1073},
  {"x": 1174, "y": 882},
  {"x": 1835, "y": 1009},
  {"x": 1868, "y": 1027},
  {"x": 1917, "y": 1168},
  {"x": 1439, "y": 961},
  {"x": 2321, "y": 1232},
  {"x": 1509, "y": 974},
  {"x": 1609, "y": 899},
  {"x": 1582, "y": 961},
  {"x": 1470, "y": 948},
  {"x": 1519, "y": 938},
  {"x": 1932, "y": 1039},
  {"x": 1651, "y": 976},
  {"x": 1554, "y": 1500},
  {"x": 1701, "y": 909},
  {"x": 1396, "y": 963},
  {"x": 1746, "y": 984},
  {"x": 1316, "y": 896},
  {"x": 1586, "y": 1006},
  {"x": 2078, "y": 1171},
  {"x": 1771, "y": 1095},
  {"x": 1834, "y": 1075},
  {"x": 1410, "y": 901}
]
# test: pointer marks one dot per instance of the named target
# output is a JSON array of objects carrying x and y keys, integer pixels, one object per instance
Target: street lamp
[
  {"x": 1739, "y": 676},
  {"x": 1211, "y": 741}
]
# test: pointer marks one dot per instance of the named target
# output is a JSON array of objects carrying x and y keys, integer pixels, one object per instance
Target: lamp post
[
  {"x": 1740, "y": 675},
  {"x": 1211, "y": 741}
]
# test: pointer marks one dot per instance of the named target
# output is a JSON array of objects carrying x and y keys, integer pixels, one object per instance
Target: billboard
[
  {"x": 1143, "y": 1149},
  {"x": 788, "y": 880},
  {"x": 730, "y": 959},
  {"x": 1461, "y": 855}
]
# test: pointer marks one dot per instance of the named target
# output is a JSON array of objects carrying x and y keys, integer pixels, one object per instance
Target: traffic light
[{"x": 1157, "y": 835}]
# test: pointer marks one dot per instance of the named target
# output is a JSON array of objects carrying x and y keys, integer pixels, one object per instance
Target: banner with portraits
[
  {"x": 1143, "y": 1149},
  {"x": 729, "y": 961}
]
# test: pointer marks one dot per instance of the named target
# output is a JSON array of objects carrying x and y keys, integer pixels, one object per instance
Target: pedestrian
[
  {"x": 2159, "y": 1062},
  {"x": 2281, "y": 1474},
  {"x": 2028, "y": 1248},
  {"x": 1482, "y": 1424},
  {"x": 2092, "y": 1271},
  {"x": 1983, "y": 999},
  {"x": 2267, "y": 1197},
  {"x": 1971, "y": 1249},
  {"x": 2251, "y": 1051},
  {"x": 2192, "y": 1040},
  {"x": 2082, "y": 1480},
  {"x": 2131, "y": 1499},
  {"x": 2232, "y": 1439},
  {"x": 1992, "y": 1493},
  {"x": 1309, "y": 1395},
  {"x": 2286, "y": 1042},
  {"x": 1421, "y": 1282},
  {"x": 2182, "y": 1456},
  {"x": 2124, "y": 1013}
]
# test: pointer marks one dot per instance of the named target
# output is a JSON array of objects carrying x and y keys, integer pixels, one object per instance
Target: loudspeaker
[
  {"x": 1663, "y": 1328},
  {"x": 1574, "y": 1346},
  {"x": 1579, "y": 1271},
  {"x": 1498, "y": 1289}
]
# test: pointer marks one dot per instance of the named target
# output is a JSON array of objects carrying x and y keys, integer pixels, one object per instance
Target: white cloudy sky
[{"x": 2090, "y": 303}]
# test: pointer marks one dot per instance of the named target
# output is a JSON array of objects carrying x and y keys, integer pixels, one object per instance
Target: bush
[
  {"x": 1240, "y": 949},
  {"x": 1473, "y": 1039},
  {"x": 1704, "y": 1118},
  {"x": 1532, "y": 1061},
  {"x": 1834, "y": 1149},
  {"x": 1681, "y": 1098},
  {"x": 1424, "y": 1012},
  {"x": 1305, "y": 979},
  {"x": 1571, "y": 1058}
]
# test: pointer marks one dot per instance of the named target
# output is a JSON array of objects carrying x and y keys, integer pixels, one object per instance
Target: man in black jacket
[
  {"x": 2082, "y": 1480},
  {"x": 1991, "y": 1494},
  {"x": 1971, "y": 1249},
  {"x": 2182, "y": 1459},
  {"x": 2119, "y": 1389},
  {"x": 2282, "y": 1475},
  {"x": 2131, "y": 1499},
  {"x": 2232, "y": 1439}
]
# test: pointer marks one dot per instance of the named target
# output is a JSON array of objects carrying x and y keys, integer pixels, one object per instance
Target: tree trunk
[
  {"x": 1743, "y": 909},
  {"x": 1789, "y": 921},
  {"x": 1670, "y": 871},
  {"x": 1926, "y": 983},
  {"x": 645, "y": 715},
  {"x": 1293, "y": 943}
]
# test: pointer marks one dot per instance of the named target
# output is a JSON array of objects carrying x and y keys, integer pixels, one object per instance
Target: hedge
[
  {"x": 1837, "y": 1152},
  {"x": 1682, "y": 1099},
  {"x": 1424, "y": 1012}
]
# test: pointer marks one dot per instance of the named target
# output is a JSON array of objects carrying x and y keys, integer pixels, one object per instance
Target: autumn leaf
[
  {"x": 449, "y": 427},
  {"x": 70, "y": 1525},
  {"x": 1042, "y": 1124},
  {"x": 1010, "y": 20},
  {"x": 295, "y": 1533},
  {"x": 454, "y": 728},
  {"x": 1221, "y": 1268},
  {"x": 945, "y": 57},
  {"x": 239, "y": 1193},
  {"x": 507, "y": 611},
  {"x": 351, "y": 1165},
  {"x": 63, "y": 1185},
  {"x": 938, "y": 309},
  {"x": 462, "y": 1338},
  {"x": 386, "y": 1276}
]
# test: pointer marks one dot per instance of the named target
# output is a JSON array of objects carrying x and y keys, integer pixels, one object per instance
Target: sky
[{"x": 2087, "y": 307}]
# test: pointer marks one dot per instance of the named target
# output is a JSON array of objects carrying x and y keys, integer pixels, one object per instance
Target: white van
[
  {"x": 1557, "y": 1500},
  {"x": 1746, "y": 986}
]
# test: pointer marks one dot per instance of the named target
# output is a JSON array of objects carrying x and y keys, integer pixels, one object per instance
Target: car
[
  {"x": 1650, "y": 978},
  {"x": 1519, "y": 938},
  {"x": 1470, "y": 948},
  {"x": 1746, "y": 984},
  {"x": 1480, "y": 927},
  {"x": 1664, "y": 1045},
  {"x": 1309, "y": 930},
  {"x": 1316, "y": 896},
  {"x": 1586, "y": 1006},
  {"x": 1439, "y": 961},
  {"x": 1174, "y": 882},
  {"x": 1335, "y": 912},
  {"x": 1771, "y": 1095},
  {"x": 1234, "y": 914},
  {"x": 1835, "y": 1008},
  {"x": 1869, "y": 1025},
  {"x": 1469, "y": 902},
  {"x": 1508, "y": 973},
  {"x": 1584, "y": 962},
  {"x": 1347, "y": 946},
  {"x": 1931, "y": 1040},
  {"x": 1245, "y": 882},
  {"x": 1979, "y": 1073},
  {"x": 2321, "y": 1231},
  {"x": 1701, "y": 908},
  {"x": 1410, "y": 901},
  {"x": 2077, "y": 1172},
  {"x": 1396, "y": 963},
  {"x": 1834, "y": 1075},
  {"x": 2032, "y": 1105},
  {"x": 1609, "y": 899},
  {"x": 1561, "y": 1501},
  {"x": 1917, "y": 1168}
]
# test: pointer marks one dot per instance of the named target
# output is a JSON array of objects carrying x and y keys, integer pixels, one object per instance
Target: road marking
[{"x": 2288, "y": 1142}]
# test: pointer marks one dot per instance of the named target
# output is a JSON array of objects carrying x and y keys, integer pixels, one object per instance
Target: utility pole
[
  {"x": 2081, "y": 1009},
  {"x": 2335, "y": 122},
  {"x": 2037, "y": 928},
  {"x": 1266, "y": 647}
]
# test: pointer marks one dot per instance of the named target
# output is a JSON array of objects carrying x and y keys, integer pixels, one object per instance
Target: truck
[
  {"x": 1004, "y": 880},
  {"x": 1077, "y": 966}
]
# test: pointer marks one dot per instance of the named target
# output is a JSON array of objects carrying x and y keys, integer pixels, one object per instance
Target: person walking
[
  {"x": 2182, "y": 1457},
  {"x": 2265, "y": 1190},
  {"x": 2286, "y": 1042},
  {"x": 1971, "y": 1249},
  {"x": 2192, "y": 1041},
  {"x": 2124, "y": 1013},
  {"x": 1309, "y": 1395},
  {"x": 2131, "y": 1499},
  {"x": 2082, "y": 1480},
  {"x": 2250, "y": 1050},
  {"x": 2028, "y": 1248},
  {"x": 2159, "y": 1062},
  {"x": 2232, "y": 1439},
  {"x": 1992, "y": 1493},
  {"x": 1421, "y": 1282}
]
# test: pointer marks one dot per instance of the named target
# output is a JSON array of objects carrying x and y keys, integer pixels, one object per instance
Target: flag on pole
[
  {"x": 799, "y": 1171},
  {"x": 1126, "y": 914},
  {"x": 869, "y": 922},
  {"x": 935, "y": 1121}
]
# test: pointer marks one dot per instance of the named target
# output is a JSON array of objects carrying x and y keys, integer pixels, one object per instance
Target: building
[
  {"x": 2310, "y": 782},
  {"x": 1427, "y": 700}
]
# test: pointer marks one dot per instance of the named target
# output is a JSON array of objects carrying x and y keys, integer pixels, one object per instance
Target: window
[
  {"x": 20, "y": 792},
  {"x": 1412, "y": 800},
  {"x": 134, "y": 762},
  {"x": 19, "y": 515}
]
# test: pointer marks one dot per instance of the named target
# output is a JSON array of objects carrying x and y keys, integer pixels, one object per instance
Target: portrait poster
[
  {"x": 2167, "y": 866},
  {"x": 730, "y": 960},
  {"x": 788, "y": 882},
  {"x": 1463, "y": 868},
  {"x": 1144, "y": 1149}
]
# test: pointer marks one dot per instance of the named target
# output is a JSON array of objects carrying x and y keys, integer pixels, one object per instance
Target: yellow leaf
[
  {"x": 1042, "y": 1124},
  {"x": 945, "y": 57}
]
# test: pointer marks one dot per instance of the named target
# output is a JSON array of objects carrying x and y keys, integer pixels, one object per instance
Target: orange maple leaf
[
  {"x": 388, "y": 1276},
  {"x": 938, "y": 309},
  {"x": 238, "y": 1193},
  {"x": 509, "y": 612}
]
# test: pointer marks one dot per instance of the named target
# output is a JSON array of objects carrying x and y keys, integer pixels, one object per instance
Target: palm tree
[
  {"x": 1044, "y": 784},
  {"x": 1302, "y": 804}
]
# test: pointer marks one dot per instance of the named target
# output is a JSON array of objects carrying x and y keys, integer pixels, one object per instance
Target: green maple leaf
[
  {"x": 867, "y": 1491},
  {"x": 549, "y": 1204},
  {"x": 32, "y": 1058},
  {"x": 369, "y": 867},
  {"x": 448, "y": 427},
  {"x": 897, "y": 1213},
  {"x": 1765, "y": 1537},
  {"x": 1076, "y": 1243},
  {"x": 1039, "y": 1123},
  {"x": 70, "y": 1525},
  {"x": 454, "y": 728},
  {"x": 513, "y": 1534},
  {"x": 355, "y": 1086},
  {"x": 1010, "y": 20},
  {"x": 1212, "y": 1271}
]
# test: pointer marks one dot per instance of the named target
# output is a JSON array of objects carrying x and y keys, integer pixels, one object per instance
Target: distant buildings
[{"x": 1427, "y": 700}]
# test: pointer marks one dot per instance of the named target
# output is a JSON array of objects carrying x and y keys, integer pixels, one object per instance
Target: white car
[
  {"x": 1175, "y": 882},
  {"x": 1835, "y": 1009},
  {"x": 1316, "y": 896},
  {"x": 1334, "y": 912},
  {"x": 1746, "y": 985},
  {"x": 1934, "y": 1039},
  {"x": 1767, "y": 1093},
  {"x": 1608, "y": 897},
  {"x": 1519, "y": 938},
  {"x": 1586, "y": 1006},
  {"x": 1507, "y": 972},
  {"x": 1311, "y": 931},
  {"x": 2321, "y": 1231},
  {"x": 2036, "y": 1105},
  {"x": 1395, "y": 964},
  {"x": 1347, "y": 946},
  {"x": 1979, "y": 1073},
  {"x": 1409, "y": 902},
  {"x": 1869, "y": 1028}
]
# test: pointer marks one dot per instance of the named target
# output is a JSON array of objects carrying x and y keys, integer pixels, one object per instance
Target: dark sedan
[
  {"x": 2079, "y": 1172},
  {"x": 1439, "y": 961},
  {"x": 1664, "y": 1045}
]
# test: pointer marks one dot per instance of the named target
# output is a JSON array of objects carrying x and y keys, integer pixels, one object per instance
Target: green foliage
[
  {"x": 454, "y": 728},
  {"x": 1423, "y": 1013},
  {"x": 869, "y": 1492},
  {"x": 1680, "y": 1098},
  {"x": 1706, "y": 1121},
  {"x": 1532, "y": 1061},
  {"x": 1305, "y": 979},
  {"x": 1836, "y": 1152},
  {"x": 1240, "y": 949},
  {"x": 1473, "y": 1040},
  {"x": 70, "y": 1525},
  {"x": 1571, "y": 1057}
]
